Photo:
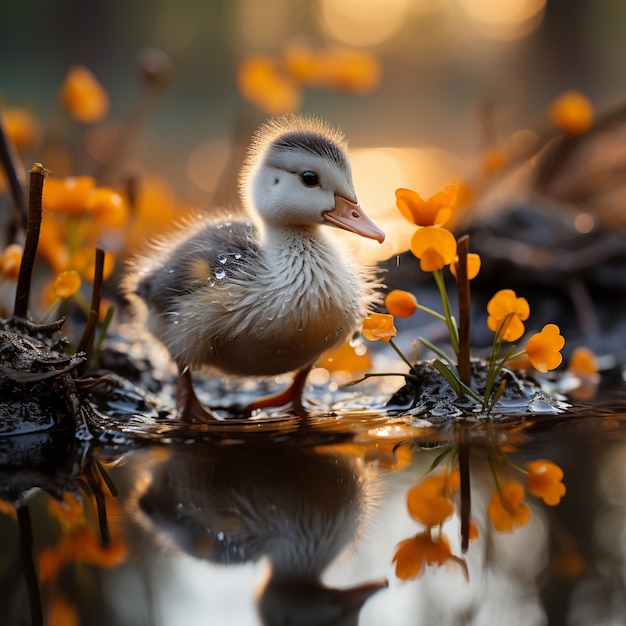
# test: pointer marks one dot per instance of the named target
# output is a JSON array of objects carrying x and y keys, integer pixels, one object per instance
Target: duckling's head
[{"x": 298, "y": 174}]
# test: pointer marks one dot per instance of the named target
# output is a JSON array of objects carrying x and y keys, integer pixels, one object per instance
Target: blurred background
[
  {"x": 428, "y": 92},
  {"x": 438, "y": 63}
]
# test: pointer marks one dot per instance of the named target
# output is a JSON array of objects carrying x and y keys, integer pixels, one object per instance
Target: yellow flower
[
  {"x": 507, "y": 313},
  {"x": 435, "y": 211},
  {"x": 66, "y": 284},
  {"x": 411, "y": 554},
  {"x": 572, "y": 113},
  {"x": 379, "y": 327},
  {"x": 400, "y": 303},
  {"x": 543, "y": 348},
  {"x": 506, "y": 509},
  {"x": 10, "y": 261},
  {"x": 434, "y": 247},
  {"x": 473, "y": 265},
  {"x": 544, "y": 480},
  {"x": 429, "y": 501},
  {"x": 262, "y": 83},
  {"x": 83, "y": 96}
]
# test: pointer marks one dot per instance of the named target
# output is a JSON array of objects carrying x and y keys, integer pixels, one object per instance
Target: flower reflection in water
[
  {"x": 235, "y": 504},
  {"x": 432, "y": 501}
]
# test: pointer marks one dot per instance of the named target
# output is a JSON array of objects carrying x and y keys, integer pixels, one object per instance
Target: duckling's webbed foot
[
  {"x": 188, "y": 407},
  {"x": 290, "y": 398}
]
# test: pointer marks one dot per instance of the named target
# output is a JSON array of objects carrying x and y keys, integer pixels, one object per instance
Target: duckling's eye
[{"x": 310, "y": 179}]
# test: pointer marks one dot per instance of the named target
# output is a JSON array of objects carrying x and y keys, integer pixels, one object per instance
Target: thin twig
[
  {"x": 463, "y": 286},
  {"x": 86, "y": 341},
  {"x": 22, "y": 294},
  {"x": 466, "y": 494},
  {"x": 28, "y": 565},
  {"x": 17, "y": 181}
]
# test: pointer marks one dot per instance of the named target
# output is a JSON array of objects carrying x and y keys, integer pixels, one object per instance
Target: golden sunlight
[
  {"x": 363, "y": 22},
  {"x": 506, "y": 20},
  {"x": 378, "y": 172}
]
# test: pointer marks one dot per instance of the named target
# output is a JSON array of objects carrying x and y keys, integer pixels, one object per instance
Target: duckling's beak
[{"x": 350, "y": 216}]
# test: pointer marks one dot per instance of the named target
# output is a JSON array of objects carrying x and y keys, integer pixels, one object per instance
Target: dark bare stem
[
  {"x": 86, "y": 341},
  {"x": 466, "y": 495},
  {"x": 37, "y": 174},
  {"x": 17, "y": 182},
  {"x": 103, "y": 521},
  {"x": 465, "y": 372},
  {"x": 28, "y": 564}
]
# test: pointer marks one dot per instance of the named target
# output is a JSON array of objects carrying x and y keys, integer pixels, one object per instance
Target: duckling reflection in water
[
  {"x": 235, "y": 504},
  {"x": 266, "y": 291}
]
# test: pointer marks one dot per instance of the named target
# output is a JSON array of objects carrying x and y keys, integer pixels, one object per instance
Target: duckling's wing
[{"x": 205, "y": 254}]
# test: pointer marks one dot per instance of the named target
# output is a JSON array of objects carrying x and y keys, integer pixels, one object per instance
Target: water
[{"x": 288, "y": 520}]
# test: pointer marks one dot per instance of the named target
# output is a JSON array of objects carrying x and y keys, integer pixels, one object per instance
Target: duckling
[{"x": 265, "y": 291}]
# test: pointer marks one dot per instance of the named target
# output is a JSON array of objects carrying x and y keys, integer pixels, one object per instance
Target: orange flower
[
  {"x": 379, "y": 327},
  {"x": 411, "y": 554},
  {"x": 70, "y": 512},
  {"x": 506, "y": 510},
  {"x": 261, "y": 82},
  {"x": 473, "y": 265},
  {"x": 66, "y": 284},
  {"x": 10, "y": 261},
  {"x": 7, "y": 508},
  {"x": 345, "y": 359},
  {"x": 83, "y": 96},
  {"x": 435, "y": 211},
  {"x": 61, "y": 612},
  {"x": 81, "y": 546},
  {"x": 356, "y": 71},
  {"x": 336, "y": 68},
  {"x": 84, "y": 261},
  {"x": 544, "y": 480},
  {"x": 434, "y": 247},
  {"x": 400, "y": 303},
  {"x": 543, "y": 348},
  {"x": 67, "y": 196},
  {"x": 429, "y": 501},
  {"x": 507, "y": 313},
  {"x": 582, "y": 362},
  {"x": 22, "y": 127},
  {"x": 572, "y": 113},
  {"x": 493, "y": 160},
  {"x": 106, "y": 206}
]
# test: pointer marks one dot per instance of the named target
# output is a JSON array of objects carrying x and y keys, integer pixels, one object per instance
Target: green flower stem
[
  {"x": 452, "y": 329},
  {"x": 430, "y": 311},
  {"x": 400, "y": 353},
  {"x": 380, "y": 375},
  {"x": 440, "y": 353},
  {"x": 517, "y": 355}
]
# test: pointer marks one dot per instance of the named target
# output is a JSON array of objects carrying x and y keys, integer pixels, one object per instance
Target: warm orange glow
[
  {"x": 572, "y": 113},
  {"x": 363, "y": 22},
  {"x": 504, "y": 20}
]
